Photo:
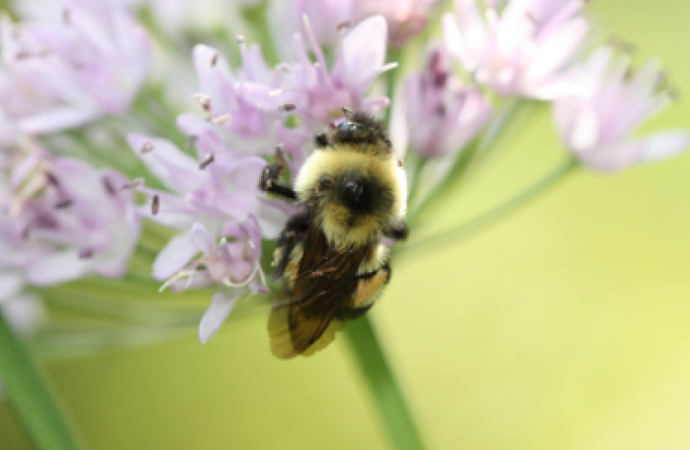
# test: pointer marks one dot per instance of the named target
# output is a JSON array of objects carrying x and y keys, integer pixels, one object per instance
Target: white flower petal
[
  {"x": 201, "y": 239},
  {"x": 176, "y": 254},
  {"x": 175, "y": 169},
  {"x": 217, "y": 312},
  {"x": 665, "y": 144},
  {"x": 58, "y": 268},
  {"x": 364, "y": 51},
  {"x": 11, "y": 284}
]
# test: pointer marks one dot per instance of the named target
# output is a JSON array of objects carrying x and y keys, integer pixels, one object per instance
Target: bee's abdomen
[{"x": 369, "y": 287}]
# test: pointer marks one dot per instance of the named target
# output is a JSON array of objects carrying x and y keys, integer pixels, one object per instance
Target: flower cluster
[
  {"x": 78, "y": 62},
  {"x": 61, "y": 218}
]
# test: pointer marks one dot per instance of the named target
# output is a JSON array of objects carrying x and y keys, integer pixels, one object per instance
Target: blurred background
[{"x": 566, "y": 326}]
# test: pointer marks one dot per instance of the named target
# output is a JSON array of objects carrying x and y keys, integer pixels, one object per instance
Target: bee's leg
[
  {"x": 397, "y": 231},
  {"x": 293, "y": 233},
  {"x": 269, "y": 182},
  {"x": 322, "y": 140}
]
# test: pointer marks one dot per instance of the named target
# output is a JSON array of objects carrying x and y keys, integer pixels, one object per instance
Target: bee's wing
[{"x": 304, "y": 322}]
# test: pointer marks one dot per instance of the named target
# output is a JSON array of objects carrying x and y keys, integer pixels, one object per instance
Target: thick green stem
[
  {"x": 492, "y": 216},
  {"x": 378, "y": 376},
  {"x": 31, "y": 396}
]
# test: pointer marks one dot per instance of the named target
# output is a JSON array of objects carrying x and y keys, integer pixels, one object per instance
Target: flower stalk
[
  {"x": 383, "y": 388},
  {"x": 489, "y": 218},
  {"x": 31, "y": 396}
]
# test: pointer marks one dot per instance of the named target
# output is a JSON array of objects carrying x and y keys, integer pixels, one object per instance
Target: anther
[
  {"x": 109, "y": 188},
  {"x": 86, "y": 253},
  {"x": 283, "y": 66},
  {"x": 204, "y": 100},
  {"x": 241, "y": 39},
  {"x": 134, "y": 184},
  {"x": 221, "y": 120},
  {"x": 208, "y": 160},
  {"x": 147, "y": 147},
  {"x": 63, "y": 203},
  {"x": 66, "y": 17},
  {"x": 155, "y": 205},
  {"x": 214, "y": 58},
  {"x": 343, "y": 25},
  {"x": 287, "y": 107},
  {"x": 52, "y": 179},
  {"x": 621, "y": 45}
]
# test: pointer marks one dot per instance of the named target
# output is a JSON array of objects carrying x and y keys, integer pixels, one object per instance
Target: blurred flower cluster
[{"x": 133, "y": 133}]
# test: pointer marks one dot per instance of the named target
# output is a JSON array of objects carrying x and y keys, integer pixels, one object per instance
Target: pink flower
[
  {"x": 84, "y": 59},
  {"x": 442, "y": 115},
  {"x": 217, "y": 188},
  {"x": 231, "y": 265},
  {"x": 242, "y": 108},
  {"x": 596, "y": 125},
  {"x": 522, "y": 51},
  {"x": 61, "y": 219},
  {"x": 331, "y": 18},
  {"x": 321, "y": 93},
  {"x": 405, "y": 18}
]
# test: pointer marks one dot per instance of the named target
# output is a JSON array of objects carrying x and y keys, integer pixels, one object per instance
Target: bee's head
[
  {"x": 360, "y": 128},
  {"x": 356, "y": 192},
  {"x": 353, "y": 203}
]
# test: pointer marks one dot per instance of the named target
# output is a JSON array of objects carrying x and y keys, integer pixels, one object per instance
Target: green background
[{"x": 566, "y": 326}]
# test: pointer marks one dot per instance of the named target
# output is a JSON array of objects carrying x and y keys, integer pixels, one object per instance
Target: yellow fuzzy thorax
[{"x": 332, "y": 161}]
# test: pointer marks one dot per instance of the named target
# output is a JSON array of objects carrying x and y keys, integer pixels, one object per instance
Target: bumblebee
[{"x": 352, "y": 192}]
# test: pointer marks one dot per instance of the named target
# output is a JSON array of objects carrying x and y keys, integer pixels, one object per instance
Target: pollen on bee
[{"x": 155, "y": 205}]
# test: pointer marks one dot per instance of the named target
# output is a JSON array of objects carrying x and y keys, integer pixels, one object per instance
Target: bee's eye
[
  {"x": 348, "y": 127},
  {"x": 324, "y": 183}
]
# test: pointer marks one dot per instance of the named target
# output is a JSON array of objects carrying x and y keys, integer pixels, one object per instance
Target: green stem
[
  {"x": 497, "y": 213},
  {"x": 469, "y": 159},
  {"x": 31, "y": 396},
  {"x": 379, "y": 378}
]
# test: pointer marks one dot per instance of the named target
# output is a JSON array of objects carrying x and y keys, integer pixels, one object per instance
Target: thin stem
[
  {"x": 470, "y": 158},
  {"x": 31, "y": 396},
  {"x": 494, "y": 215},
  {"x": 378, "y": 376}
]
